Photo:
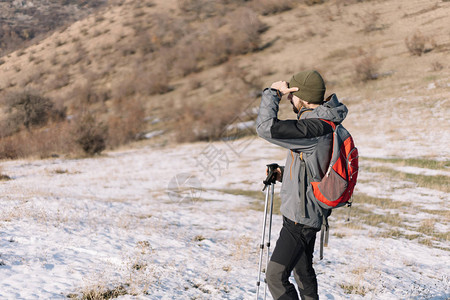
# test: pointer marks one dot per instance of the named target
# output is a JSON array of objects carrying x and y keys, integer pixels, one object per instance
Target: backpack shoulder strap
[{"x": 329, "y": 122}]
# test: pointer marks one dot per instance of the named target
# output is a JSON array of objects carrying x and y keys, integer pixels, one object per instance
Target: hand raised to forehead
[{"x": 282, "y": 86}]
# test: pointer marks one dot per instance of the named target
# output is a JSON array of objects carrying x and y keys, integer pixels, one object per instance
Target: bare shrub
[
  {"x": 165, "y": 30},
  {"x": 86, "y": 94},
  {"x": 8, "y": 148},
  {"x": 194, "y": 83},
  {"x": 62, "y": 79},
  {"x": 270, "y": 7},
  {"x": 151, "y": 81},
  {"x": 366, "y": 68},
  {"x": 28, "y": 109},
  {"x": 419, "y": 44},
  {"x": 217, "y": 49},
  {"x": 125, "y": 88},
  {"x": 200, "y": 9},
  {"x": 246, "y": 29},
  {"x": 309, "y": 33},
  {"x": 349, "y": 2},
  {"x": 187, "y": 58},
  {"x": 241, "y": 78},
  {"x": 90, "y": 134},
  {"x": 436, "y": 66},
  {"x": 144, "y": 79},
  {"x": 208, "y": 122},
  {"x": 313, "y": 2},
  {"x": 127, "y": 122},
  {"x": 370, "y": 21}
]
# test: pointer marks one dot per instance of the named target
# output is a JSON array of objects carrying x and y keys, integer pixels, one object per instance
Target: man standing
[{"x": 309, "y": 142}]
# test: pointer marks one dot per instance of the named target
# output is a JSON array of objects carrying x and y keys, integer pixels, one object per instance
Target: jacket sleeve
[{"x": 291, "y": 134}]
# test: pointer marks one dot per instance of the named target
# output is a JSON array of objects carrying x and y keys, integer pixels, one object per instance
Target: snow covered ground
[{"x": 73, "y": 226}]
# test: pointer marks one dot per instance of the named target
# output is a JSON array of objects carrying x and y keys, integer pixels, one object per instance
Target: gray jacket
[{"x": 309, "y": 140}]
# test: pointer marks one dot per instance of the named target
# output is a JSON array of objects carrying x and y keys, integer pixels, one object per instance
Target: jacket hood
[{"x": 331, "y": 110}]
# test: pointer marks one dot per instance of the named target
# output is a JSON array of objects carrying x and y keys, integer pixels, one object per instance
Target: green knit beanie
[{"x": 311, "y": 87}]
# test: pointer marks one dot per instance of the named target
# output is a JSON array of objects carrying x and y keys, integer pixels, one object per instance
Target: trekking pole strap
[
  {"x": 324, "y": 235},
  {"x": 349, "y": 205},
  {"x": 321, "y": 243},
  {"x": 271, "y": 175}
]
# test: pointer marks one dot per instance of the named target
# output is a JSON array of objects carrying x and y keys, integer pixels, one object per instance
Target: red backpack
[{"x": 336, "y": 187}]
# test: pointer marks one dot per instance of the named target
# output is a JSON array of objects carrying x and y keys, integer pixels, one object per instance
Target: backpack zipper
[{"x": 328, "y": 171}]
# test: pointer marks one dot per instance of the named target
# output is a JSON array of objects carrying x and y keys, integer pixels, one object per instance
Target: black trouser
[{"x": 293, "y": 251}]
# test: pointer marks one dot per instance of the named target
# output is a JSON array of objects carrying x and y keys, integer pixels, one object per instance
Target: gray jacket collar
[{"x": 331, "y": 110}]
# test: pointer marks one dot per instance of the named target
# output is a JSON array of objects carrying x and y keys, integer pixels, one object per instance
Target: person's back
[{"x": 309, "y": 142}]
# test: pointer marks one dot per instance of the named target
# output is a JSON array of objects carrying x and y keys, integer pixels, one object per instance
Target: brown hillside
[
  {"x": 184, "y": 66},
  {"x": 23, "y": 21}
]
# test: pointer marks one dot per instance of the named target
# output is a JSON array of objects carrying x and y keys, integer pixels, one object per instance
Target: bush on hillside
[
  {"x": 366, "y": 68},
  {"x": 8, "y": 149},
  {"x": 419, "y": 44},
  {"x": 90, "y": 134},
  {"x": 270, "y": 7},
  {"x": 200, "y": 9},
  {"x": 126, "y": 122},
  {"x": 245, "y": 32},
  {"x": 371, "y": 22},
  {"x": 206, "y": 122},
  {"x": 313, "y": 2},
  {"x": 210, "y": 122},
  {"x": 29, "y": 109}
]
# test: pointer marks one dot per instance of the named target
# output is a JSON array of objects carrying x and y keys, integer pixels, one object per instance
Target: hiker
[{"x": 309, "y": 141}]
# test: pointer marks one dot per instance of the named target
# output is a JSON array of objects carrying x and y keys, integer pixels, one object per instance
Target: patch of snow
[
  {"x": 111, "y": 221},
  {"x": 153, "y": 134}
]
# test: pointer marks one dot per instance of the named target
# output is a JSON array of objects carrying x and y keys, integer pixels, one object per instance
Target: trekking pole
[
  {"x": 272, "y": 188},
  {"x": 261, "y": 245},
  {"x": 268, "y": 182}
]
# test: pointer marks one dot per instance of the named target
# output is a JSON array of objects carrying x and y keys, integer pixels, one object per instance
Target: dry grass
[
  {"x": 101, "y": 293},
  {"x": 3, "y": 176},
  {"x": 360, "y": 282},
  {"x": 54, "y": 139},
  {"x": 392, "y": 218},
  {"x": 415, "y": 162},
  {"x": 243, "y": 248},
  {"x": 139, "y": 278},
  {"x": 437, "y": 182},
  {"x": 353, "y": 289}
]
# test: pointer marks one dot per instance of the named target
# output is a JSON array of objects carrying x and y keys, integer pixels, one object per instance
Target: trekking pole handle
[{"x": 271, "y": 175}]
